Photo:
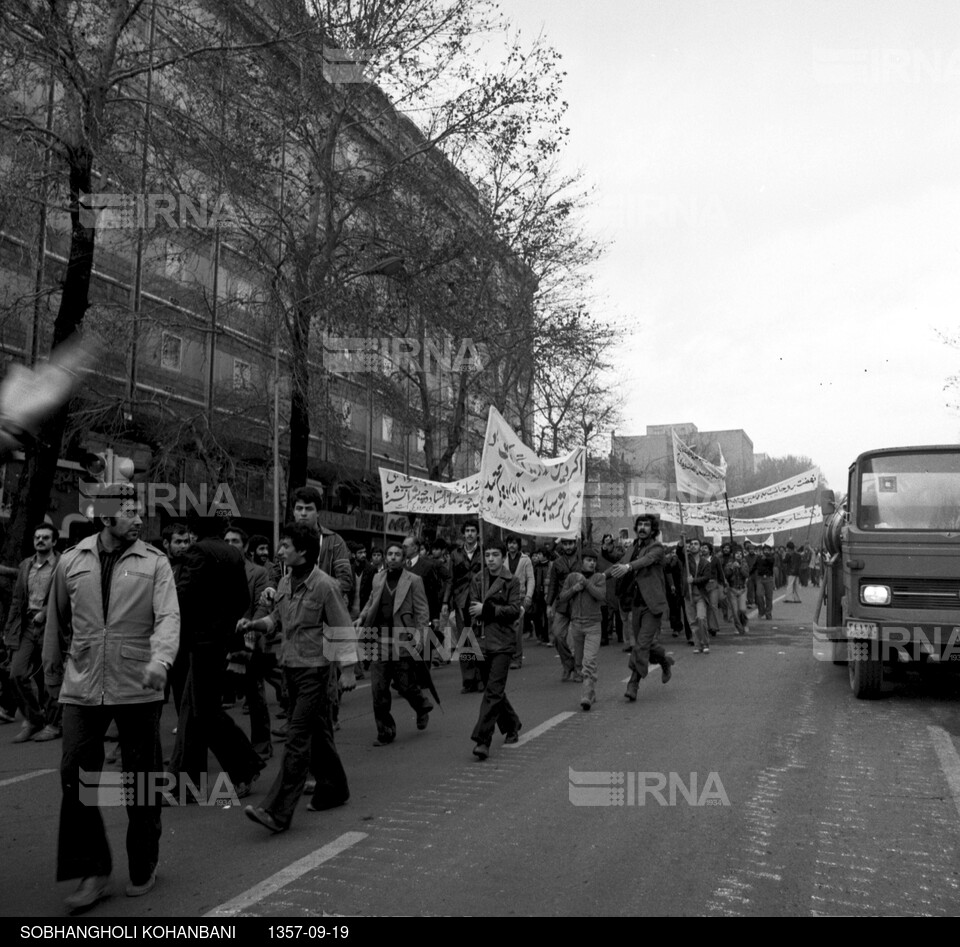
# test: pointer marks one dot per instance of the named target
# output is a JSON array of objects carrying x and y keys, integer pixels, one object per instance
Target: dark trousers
[
  {"x": 646, "y": 647},
  {"x": 309, "y": 744},
  {"x": 258, "y": 668},
  {"x": 177, "y": 679},
  {"x": 675, "y": 607},
  {"x": 82, "y": 848},
  {"x": 540, "y": 624},
  {"x": 469, "y": 660},
  {"x": 403, "y": 673},
  {"x": 495, "y": 709},
  {"x": 204, "y": 725},
  {"x": 765, "y": 592},
  {"x": 38, "y": 706}
]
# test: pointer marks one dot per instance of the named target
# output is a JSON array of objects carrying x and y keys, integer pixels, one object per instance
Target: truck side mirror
[{"x": 828, "y": 502}]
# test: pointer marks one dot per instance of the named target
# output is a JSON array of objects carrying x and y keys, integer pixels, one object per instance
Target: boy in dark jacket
[{"x": 494, "y": 603}]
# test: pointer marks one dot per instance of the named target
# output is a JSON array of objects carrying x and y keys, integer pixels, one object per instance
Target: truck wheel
[{"x": 866, "y": 677}]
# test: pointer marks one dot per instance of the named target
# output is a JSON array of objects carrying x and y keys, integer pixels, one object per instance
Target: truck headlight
[
  {"x": 863, "y": 630},
  {"x": 875, "y": 594}
]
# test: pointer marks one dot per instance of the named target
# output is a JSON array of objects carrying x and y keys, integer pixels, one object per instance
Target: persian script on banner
[
  {"x": 696, "y": 476},
  {"x": 520, "y": 491},
  {"x": 716, "y": 520},
  {"x": 404, "y": 494},
  {"x": 792, "y": 486}
]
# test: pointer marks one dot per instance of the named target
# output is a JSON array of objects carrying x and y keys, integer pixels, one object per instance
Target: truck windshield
[{"x": 910, "y": 491}]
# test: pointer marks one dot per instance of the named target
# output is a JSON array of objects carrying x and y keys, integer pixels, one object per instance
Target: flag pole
[{"x": 729, "y": 519}]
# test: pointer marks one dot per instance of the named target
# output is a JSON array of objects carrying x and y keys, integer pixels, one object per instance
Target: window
[
  {"x": 171, "y": 352},
  {"x": 242, "y": 378},
  {"x": 346, "y": 413},
  {"x": 386, "y": 429}
]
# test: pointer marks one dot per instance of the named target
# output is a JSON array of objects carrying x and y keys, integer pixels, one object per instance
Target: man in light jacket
[
  {"x": 317, "y": 636},
  {"x": 118, "y": 597},
  {"x": 519, "y": 565},
  {"x": 398, "y": 619}
]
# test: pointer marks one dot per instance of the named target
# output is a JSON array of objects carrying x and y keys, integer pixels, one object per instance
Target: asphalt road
[{"x": 789, "y": 797}]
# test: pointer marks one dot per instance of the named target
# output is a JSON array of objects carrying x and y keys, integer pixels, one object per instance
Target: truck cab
[{"x": 891, "y": 590}]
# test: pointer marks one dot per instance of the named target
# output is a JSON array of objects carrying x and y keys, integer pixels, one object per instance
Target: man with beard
[
  {"x": 214, "y": 595},
  {"x": 112, "y": 631},
  {"x": 23, "y": 635},
  {"x": 647, "y": 594},
  {"x": 397, "y": 614}
]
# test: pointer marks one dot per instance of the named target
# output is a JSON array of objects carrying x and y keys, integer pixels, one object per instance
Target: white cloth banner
[
  {"x": 696, "y": 476},
  {"x": 403, "y": 494},
  {"x": 520, "y": 491},
  {"x": 792, "y": 486},
  {"x": 716, "y": 520}
]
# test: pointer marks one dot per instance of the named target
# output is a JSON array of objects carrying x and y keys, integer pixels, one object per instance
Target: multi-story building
[
  {"x": 648, "y": 458},
  {"x": 197, "y": 361}
]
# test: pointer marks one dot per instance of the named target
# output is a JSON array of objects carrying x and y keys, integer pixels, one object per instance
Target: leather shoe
[
  {"x": 135, "y": 891},
  {"x": 385, "y": 739},
  {"x": 513, "y": 737},
  {"x": 667, "y": 669},
  {"x": 48, "y": 733},
  {"x": 258, "y": 814},
  {"x": 27, "y": 732},
  {"x": 585, "y": 704},
  {"x": 481, "y": 751},
  {"x": 423, "y": 718},
  {"x": 90, "y": 890},
  {"x": 631, "y": 691},
  {"x": 322, "y": 806}
]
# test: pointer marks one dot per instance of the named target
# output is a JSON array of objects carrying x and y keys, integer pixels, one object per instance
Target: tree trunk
[
  {"x": 299, "y": 408},
  {"x": 31, "y": 501}
]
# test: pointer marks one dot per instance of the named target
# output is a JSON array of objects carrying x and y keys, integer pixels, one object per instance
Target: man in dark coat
[
  {"x": 649, "y": 601},
  {"x": 214, "y": 595}
]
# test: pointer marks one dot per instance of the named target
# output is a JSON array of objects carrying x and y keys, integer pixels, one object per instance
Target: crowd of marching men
[{"x": 108, "y": 631}]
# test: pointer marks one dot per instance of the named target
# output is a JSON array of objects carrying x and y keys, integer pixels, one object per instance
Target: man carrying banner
[{"x": 647, "y": 595}]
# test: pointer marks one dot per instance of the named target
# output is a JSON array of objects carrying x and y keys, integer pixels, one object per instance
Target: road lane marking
[
  {"x": 20, "y": 779},
  {"x": 949, "y": 761},
  {"x": 543, "y": 728},
  {"x": 286, "y": 875}
]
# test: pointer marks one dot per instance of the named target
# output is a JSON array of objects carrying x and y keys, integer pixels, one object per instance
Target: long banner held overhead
[
  {"x": 404, "y": 494},
  {"x": 521, "y": 491},
  {"x": 715, "y": 521},
  {"x": 792, "y": 486},
  {"x": 696, "y": 476}
]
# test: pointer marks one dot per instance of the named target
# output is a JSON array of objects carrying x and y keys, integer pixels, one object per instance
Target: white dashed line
[
  {"x": 286, "y": 875},
  {"x": 20, "y": 779},
  {"x": 543, "y": 728}
]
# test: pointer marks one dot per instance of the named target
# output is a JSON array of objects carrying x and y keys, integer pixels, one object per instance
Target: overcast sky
[{"x": 780, "y": 185}]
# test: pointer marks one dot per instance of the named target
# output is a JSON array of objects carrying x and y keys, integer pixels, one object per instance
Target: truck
[{"x": 891, "y": 590}]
